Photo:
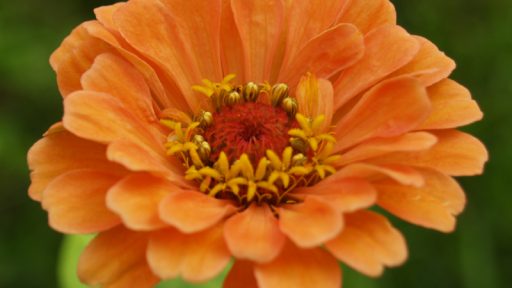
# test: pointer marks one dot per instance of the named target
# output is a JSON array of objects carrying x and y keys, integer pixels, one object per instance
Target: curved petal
[
  {"x": 345, "y": 194},
  {"x": 403, "y": 174},
  {"x": 259, "y": 24},
  {"x": 112, "y": 75},
  {"x": 136, "y": 199},
  {"x": 306, "y": 20},
  {"x": 325, "y": 55},
  {"x": 139, "y": 276},
  {"x": 75, "y": 202},
  {"x": 456, "y": 153},
  {"x": 75, "y": 56},
  {"x": 232, "y": 53},
  {"x": 415, "y": 141},
  {"x": 194, "y": 257},
  {"x": 368, "y": 243},
  {"x": 452, "y": 106},
  {"x": 128, "y": 248},
  {"x": 60, "y": 152},
  {"x": 104, "y": 118},
  {"x": 254, "y": 234},
  {"x": 192, "y": 211},
  {"x": 389, "y": 109},
  {"x": 368, "y": 15},
  {"x": 433, "y": 205},
  {"x": 429, "y": 66},
  {"x": 241, "y": 275},
  {"x": 300, "y": 268},
  {"x": 386, "y": 49},
  {"x": 310, "y": 223}
]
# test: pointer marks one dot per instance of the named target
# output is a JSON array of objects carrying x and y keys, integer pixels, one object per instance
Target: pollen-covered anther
[
  {"x": 291, "y": 106},
  {"x": 279, "y": 93},
  {"x": 251, "y": 92}
]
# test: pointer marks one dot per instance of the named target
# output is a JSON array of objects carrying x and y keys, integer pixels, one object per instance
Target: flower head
[{"x": 264, "y": 131}]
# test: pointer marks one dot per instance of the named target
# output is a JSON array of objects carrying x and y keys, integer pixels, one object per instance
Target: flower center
[
  {"x": 248, "y": 128},
  {"x": 254, "y": 147}
]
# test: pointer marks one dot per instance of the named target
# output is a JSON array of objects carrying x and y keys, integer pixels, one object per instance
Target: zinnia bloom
[{"x": 261, "y": 132}]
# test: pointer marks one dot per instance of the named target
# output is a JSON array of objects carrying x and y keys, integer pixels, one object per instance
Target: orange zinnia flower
[{"x": 195, "y": 132}]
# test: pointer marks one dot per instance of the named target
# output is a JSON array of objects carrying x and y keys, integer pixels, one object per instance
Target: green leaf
[{"x": 71, "y": 248}]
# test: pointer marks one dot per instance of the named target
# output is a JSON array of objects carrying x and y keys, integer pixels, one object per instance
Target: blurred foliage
[{"x": 476, "y": 33}]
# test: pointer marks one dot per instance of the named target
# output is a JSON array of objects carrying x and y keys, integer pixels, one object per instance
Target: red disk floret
[{"x": 249, "y": 128}]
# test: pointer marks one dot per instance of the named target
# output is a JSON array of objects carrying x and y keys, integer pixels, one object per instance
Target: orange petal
[
  {"x": 198, "y": 23},
  {"x": 136, "y": 198},
  {"x": 401, "y": 173},
  {"x": 103, "y": 118},
  {"x": 368, "y": 243},
  {"x": 306, "y": 20},
  {"x": 161, "y": 39},
  {"x": 296, "y": 267},
  {"x": 456, "y": 153},
  {"x": 325, "y": 55},
  {"x": 75, "y": 202},
  {"x": 415, "y": 141},
  {"x": 60, "y": 152},
  {"x": 192, "y": 211},
  {"x": 310, "y": 223},
  {"x": 75, "y": 56},
  {"x": 315, "y": 97},
  {"x": 194, "y": 257},
  {"x": 451, "y": 106},
  {"x": 254, "y": 234},
  {"x": 159, "y": 83},
  {"x": 104, "y": 14},
  {"x": 389, "y": 109},
  {"x": 344, "y": 194},
  {"x": 241, "y": 275},
  {"x": 136, "y": 158},
  {"x": 430, "y": 65},
  {"x": 139, "y": 276},
  {"x": 386, "y": 49},
  {"x": 232, "y": 53},
  {"x": 259, "y": 24},
  {"x": 433, "y": 205},
  {"x": 113, "y": 75},
  {"x": 113, "y": 255},
  {"x": 368, "y": 15}
]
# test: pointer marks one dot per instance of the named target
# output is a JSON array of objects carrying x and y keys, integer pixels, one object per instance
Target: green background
[{"x": 476, "y": 33}]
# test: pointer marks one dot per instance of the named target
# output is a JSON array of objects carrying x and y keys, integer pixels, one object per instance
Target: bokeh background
[{"x": 476, "y": 33}]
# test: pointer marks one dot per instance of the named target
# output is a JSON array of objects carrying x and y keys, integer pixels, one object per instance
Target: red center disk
[{"x": 249, "y": 128}]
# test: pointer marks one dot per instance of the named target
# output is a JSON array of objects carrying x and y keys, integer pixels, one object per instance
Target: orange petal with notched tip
[
  {"x": 254, "y": 234},
  {"x": 452, "y": 106},
  {"x": 296, "y": 267},
  {"x": 376, "y": 63},
  {"x": 195, "y": 257},
  {"x": 368, "y": 15},
  {"x": 125, "y": 247},
  {"x": 368, "y": 243},
  {"x": 75, "y": 202},
  {"x": 241, "y": 275},
  {"x": 60, "y": 152},
  {"x": 345, "y": 194},
  {"x": 259, "y": 24},
  {"x": 310, "y": 223},
  {"x": 325, "y": 55},
  {"x": 192, "y": 211},
  {"x": 415, "y": 141},
  {"x": 456, "y": 153},
  {"x": 389, "y": 109},
  {"x": 403, "y": 174},
  {"x": 429, "y": 66},
  {"x": 136, "y": 199},
  {"x": 434, "y": 205}
]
